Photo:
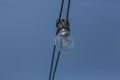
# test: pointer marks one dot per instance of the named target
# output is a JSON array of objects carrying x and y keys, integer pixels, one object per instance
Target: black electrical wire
[
  {"x": 68, "y": 9},
  {"x": 53, "y": 55},
  {"x": 54, "y": 72},
  {"x": 56, "y": 64},
  {"x": 52, "y": 61},
  {"x": 61, "y": 9}
]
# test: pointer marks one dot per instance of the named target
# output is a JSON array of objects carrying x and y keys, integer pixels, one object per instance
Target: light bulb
[{"x": 64, "y": 41}]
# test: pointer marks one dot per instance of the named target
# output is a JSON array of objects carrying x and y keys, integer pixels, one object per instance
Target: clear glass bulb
[{"x": 64, "y": 41}]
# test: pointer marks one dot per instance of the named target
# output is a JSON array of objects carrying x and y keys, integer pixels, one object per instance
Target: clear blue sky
[{"x": 27, "y": 31}]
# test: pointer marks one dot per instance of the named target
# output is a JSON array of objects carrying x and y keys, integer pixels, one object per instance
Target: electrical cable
[
  {"x": 54, "y": 49},
  {"x": 53, "y": 55},
  {"x": 52, "y": 61},
  {"x": 68, "y": 9},
  {"x": 57, "y": 61},
  {"x": 61, "y": 9},
  {"x": 54, "y": 72}
]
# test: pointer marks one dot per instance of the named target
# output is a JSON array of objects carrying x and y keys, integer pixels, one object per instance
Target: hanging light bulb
[{"x": 64, "y": 40}]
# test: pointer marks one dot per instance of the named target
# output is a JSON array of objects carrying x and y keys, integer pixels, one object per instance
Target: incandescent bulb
[{"x": 64, "y": 41}]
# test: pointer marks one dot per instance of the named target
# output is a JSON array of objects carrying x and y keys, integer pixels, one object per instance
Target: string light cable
[{"x": 63, "y": 40}]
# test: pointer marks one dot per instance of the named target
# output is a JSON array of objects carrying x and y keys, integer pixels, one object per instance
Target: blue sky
[{"x": 27, "y": 32}]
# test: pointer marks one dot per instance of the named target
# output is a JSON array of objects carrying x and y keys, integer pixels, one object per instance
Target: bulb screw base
[{"x": 62, "y": 25}]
